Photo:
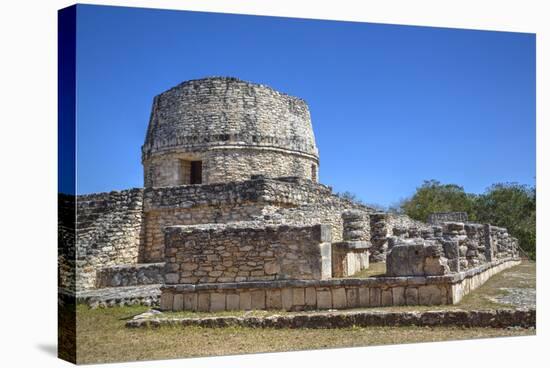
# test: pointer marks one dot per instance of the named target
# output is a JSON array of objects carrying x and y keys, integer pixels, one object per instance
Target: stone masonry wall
[
  {"x": 227, "y": 164},
  {"x": 280, "y": 201},
  {"x": 246, "y": 252},
  {"x": 303, "y": 202},
  {"x": 385, "y": 225},
  {"x": 297, "y": 295},
  {"x": 109, "y": 231},
  {"x": 157, "y": 220}
]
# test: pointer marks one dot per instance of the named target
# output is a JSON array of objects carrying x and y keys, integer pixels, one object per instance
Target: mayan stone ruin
[{"x": 231, "y": 216}]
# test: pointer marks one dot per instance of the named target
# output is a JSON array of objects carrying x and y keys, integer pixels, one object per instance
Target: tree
[
  {"x": 433, "y": 196},
  {"x": 512, "y": 206}
]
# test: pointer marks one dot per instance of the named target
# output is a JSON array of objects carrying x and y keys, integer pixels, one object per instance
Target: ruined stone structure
[
  {"x": 232, "y": 216},
  {"x": 218, "y": 130}
]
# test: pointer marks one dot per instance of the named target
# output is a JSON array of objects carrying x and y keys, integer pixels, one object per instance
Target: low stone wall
[
  {"x": 148, "y": 295},
  {"x": 130, "y": 275},
  {"x": 439, "y": 217},
  {"x": 296, "y": 295},
  {"x": 246, "y": 251},
  {"x": 470, "y": 280},
  {"x": 503, "y": 318}
]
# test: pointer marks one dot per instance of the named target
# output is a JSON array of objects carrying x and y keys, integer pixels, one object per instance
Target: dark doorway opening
[{"x": 196, "y": 172}]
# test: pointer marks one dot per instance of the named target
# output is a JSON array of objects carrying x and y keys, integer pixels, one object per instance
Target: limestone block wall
[
  {"x": 279, "y": 201},
  {"x": 215, "y": 253},
  {"x": 196, "y": 204},
  {"x": 157, "y": 220},
  {"x": 236, "y": 128},
  {"x": 297, "y": 295},
  {"x": 227, "y": 164},
  {"x": 302, "y": 202},
  {"x": 108, "y": 232}
]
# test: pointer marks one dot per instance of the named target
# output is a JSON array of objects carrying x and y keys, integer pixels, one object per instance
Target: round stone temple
[{"x": 222, "y": 129}]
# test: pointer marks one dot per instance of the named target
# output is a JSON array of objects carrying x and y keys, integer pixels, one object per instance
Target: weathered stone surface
[
  {"x": 287, "y": 299},
  {"x": 190, "y": 302},
  {"x": 166, "y": 301},
  {"x": 298, "y": 296},
  {"x": 271, "y": 268},
  {"x": 416, "y": 257},
  {"x": 148, "y": 295},
  {"x": 178, "y": 302},
  {"x": 245, "y": 300},
  {"x": 386, "y": 298},
  {"x": 375, "y": 297},
  {"x": 398, "y": 295},
  {"x": 505, "y": 318},
  {"x": 435, "y": 266},
  {"x": 203, "y": 302},
  {"x": 429, "y": 295},
  {"x": 258, "y": 299},
  {"x": 411, "y": 296},
  {"x": 364, "y": 297},
  {"x": 130, "y": 275},
  {"x": 311, "y": 297},
  {"x": 217, "y": 302},
  {"x": 273, "y": 299},
  {"x": 324, "y": 299},
  {"x": 441, "y": 217},
  {"x": 406, "y": 259},
  {"x": 202, "y": 121},
  {"x": 352, "y": 296},
  {"x": 233, "y": 252},
  {"x": 232, "y": 302},
  {"x": 339, "y": 298}
]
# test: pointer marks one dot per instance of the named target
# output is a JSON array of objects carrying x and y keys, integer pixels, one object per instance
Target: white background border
[{"x": 28, "y": 178}]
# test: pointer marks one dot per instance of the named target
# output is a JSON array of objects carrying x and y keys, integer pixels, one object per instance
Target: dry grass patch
[
  {"x": 375, "y": 269},
  {"x": 102, "y": 338}
]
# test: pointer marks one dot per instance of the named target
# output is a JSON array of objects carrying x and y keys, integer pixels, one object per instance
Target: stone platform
[{"x": 296, "y": 295}]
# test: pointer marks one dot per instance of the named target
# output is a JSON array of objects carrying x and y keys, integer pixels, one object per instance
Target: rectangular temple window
[
  {"x": 314, "y": 173},
  {"x": 184, "y": 172},
  {"x": 196, "y": 172}
]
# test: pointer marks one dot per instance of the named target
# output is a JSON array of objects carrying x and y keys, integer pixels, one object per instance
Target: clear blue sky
[{"x": 391, "y": 105}]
